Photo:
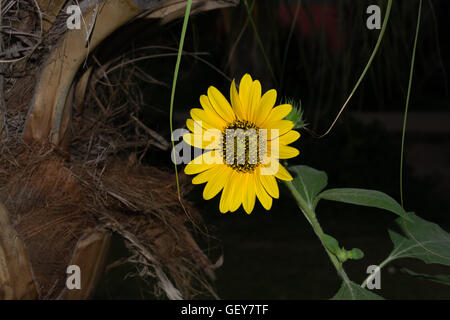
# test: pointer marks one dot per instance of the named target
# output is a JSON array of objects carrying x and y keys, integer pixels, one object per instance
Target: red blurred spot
[{"x": 313, "y": 19}]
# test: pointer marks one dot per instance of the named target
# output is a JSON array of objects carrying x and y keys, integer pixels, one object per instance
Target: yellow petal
[
  {"x": 223, "y": 205},
  {"x": 220, "y": 104},
  {"x": 217, "y": 183},
  {"x": 238, "y": 191},
  {"x": 283, "y": 174},
  {"x": 211, "y": 112},
  {"x": 236, "y": 102},
  {"x": 265, "y": 106},
  {"x": 203, "y": 141},
  {"x": 289, "y": 137},
  {"x": 276, "y": 114},
  {"x": 206, "y": 175},
  {"x": 245, "y": 86},
  {"x": 208, "y": 119},
  {"x": 278, "y": 128},
  {"x": 270, "y": 184},
  {"x": 255, "y": 98},
  {"x": 261, "y": 193},
  {"x": 194, "y": 126},
  {"x": 225, "y": 202},
  {"x": 199, "y": 164},
  {"x": 193, "y": 141},
  {"x": 210, "y": 138},
  {"x": 287, "y": 152},
  {"x": 207, "y": 106},
  {"x": 248, "y": 200}
]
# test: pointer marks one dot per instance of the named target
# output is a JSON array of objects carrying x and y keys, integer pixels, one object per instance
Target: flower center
[{"x": 242, "y": 148}]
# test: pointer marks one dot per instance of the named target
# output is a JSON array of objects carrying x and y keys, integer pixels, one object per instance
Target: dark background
[{"x": 275, "y": 255}]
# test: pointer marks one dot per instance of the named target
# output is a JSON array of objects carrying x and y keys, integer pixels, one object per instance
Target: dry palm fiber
[
  {"x": 52, "y": 202},
  {"x": 54, "y": 194}
]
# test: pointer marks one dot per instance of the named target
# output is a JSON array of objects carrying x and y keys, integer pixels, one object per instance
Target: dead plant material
[
  {"x": 53, "y": 198},
  {"x": 90, "y": 255},
  {"x": 62, "y": 198},
  {"x": 52, "y": 202},
  {"x": 16, "y": 279}
]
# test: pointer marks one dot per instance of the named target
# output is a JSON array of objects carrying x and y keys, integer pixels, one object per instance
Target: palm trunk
[{"x": 55, "y": 194}]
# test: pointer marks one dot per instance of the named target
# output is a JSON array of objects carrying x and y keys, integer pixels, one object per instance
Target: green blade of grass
[
  {"x": 174, "y": 84},
  {"x": 402, "y": 149},
  {"x": 408, "y": 96},
  {"x": 369, "y": 63},
  {"x": 405, "y": 117}
]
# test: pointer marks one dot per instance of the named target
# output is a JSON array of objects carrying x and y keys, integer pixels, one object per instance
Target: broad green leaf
[
  {"x": 352, "y": 291},
  {"x": 362, "y": 197},
  {"x": 422, "y": 240},
  {"x": 439, "y": 278},
  {"x": 331, "y": 243},
  {"x": 308, "y": 182}
]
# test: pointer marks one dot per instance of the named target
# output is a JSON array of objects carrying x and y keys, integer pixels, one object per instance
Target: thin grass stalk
[{"x": 174, "y": 85}]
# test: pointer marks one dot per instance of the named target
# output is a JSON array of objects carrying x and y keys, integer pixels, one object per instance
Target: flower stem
[
  {"x": 310, "y": 215},
  {"x": 372, "y": 275}
]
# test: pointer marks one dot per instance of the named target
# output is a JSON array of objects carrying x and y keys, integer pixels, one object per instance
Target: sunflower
[{"x": 243, "y": 142}]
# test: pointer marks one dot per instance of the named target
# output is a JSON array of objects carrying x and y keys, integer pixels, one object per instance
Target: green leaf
[
  {"x": 421, "y": 239},
  {"x": 362, "y": 197},
  {"x": 352, "y": 291},
  {"x": 439, "y": 278},
  {"x": 331, "y": 243},
  {"x": 308, "y": 182}
]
